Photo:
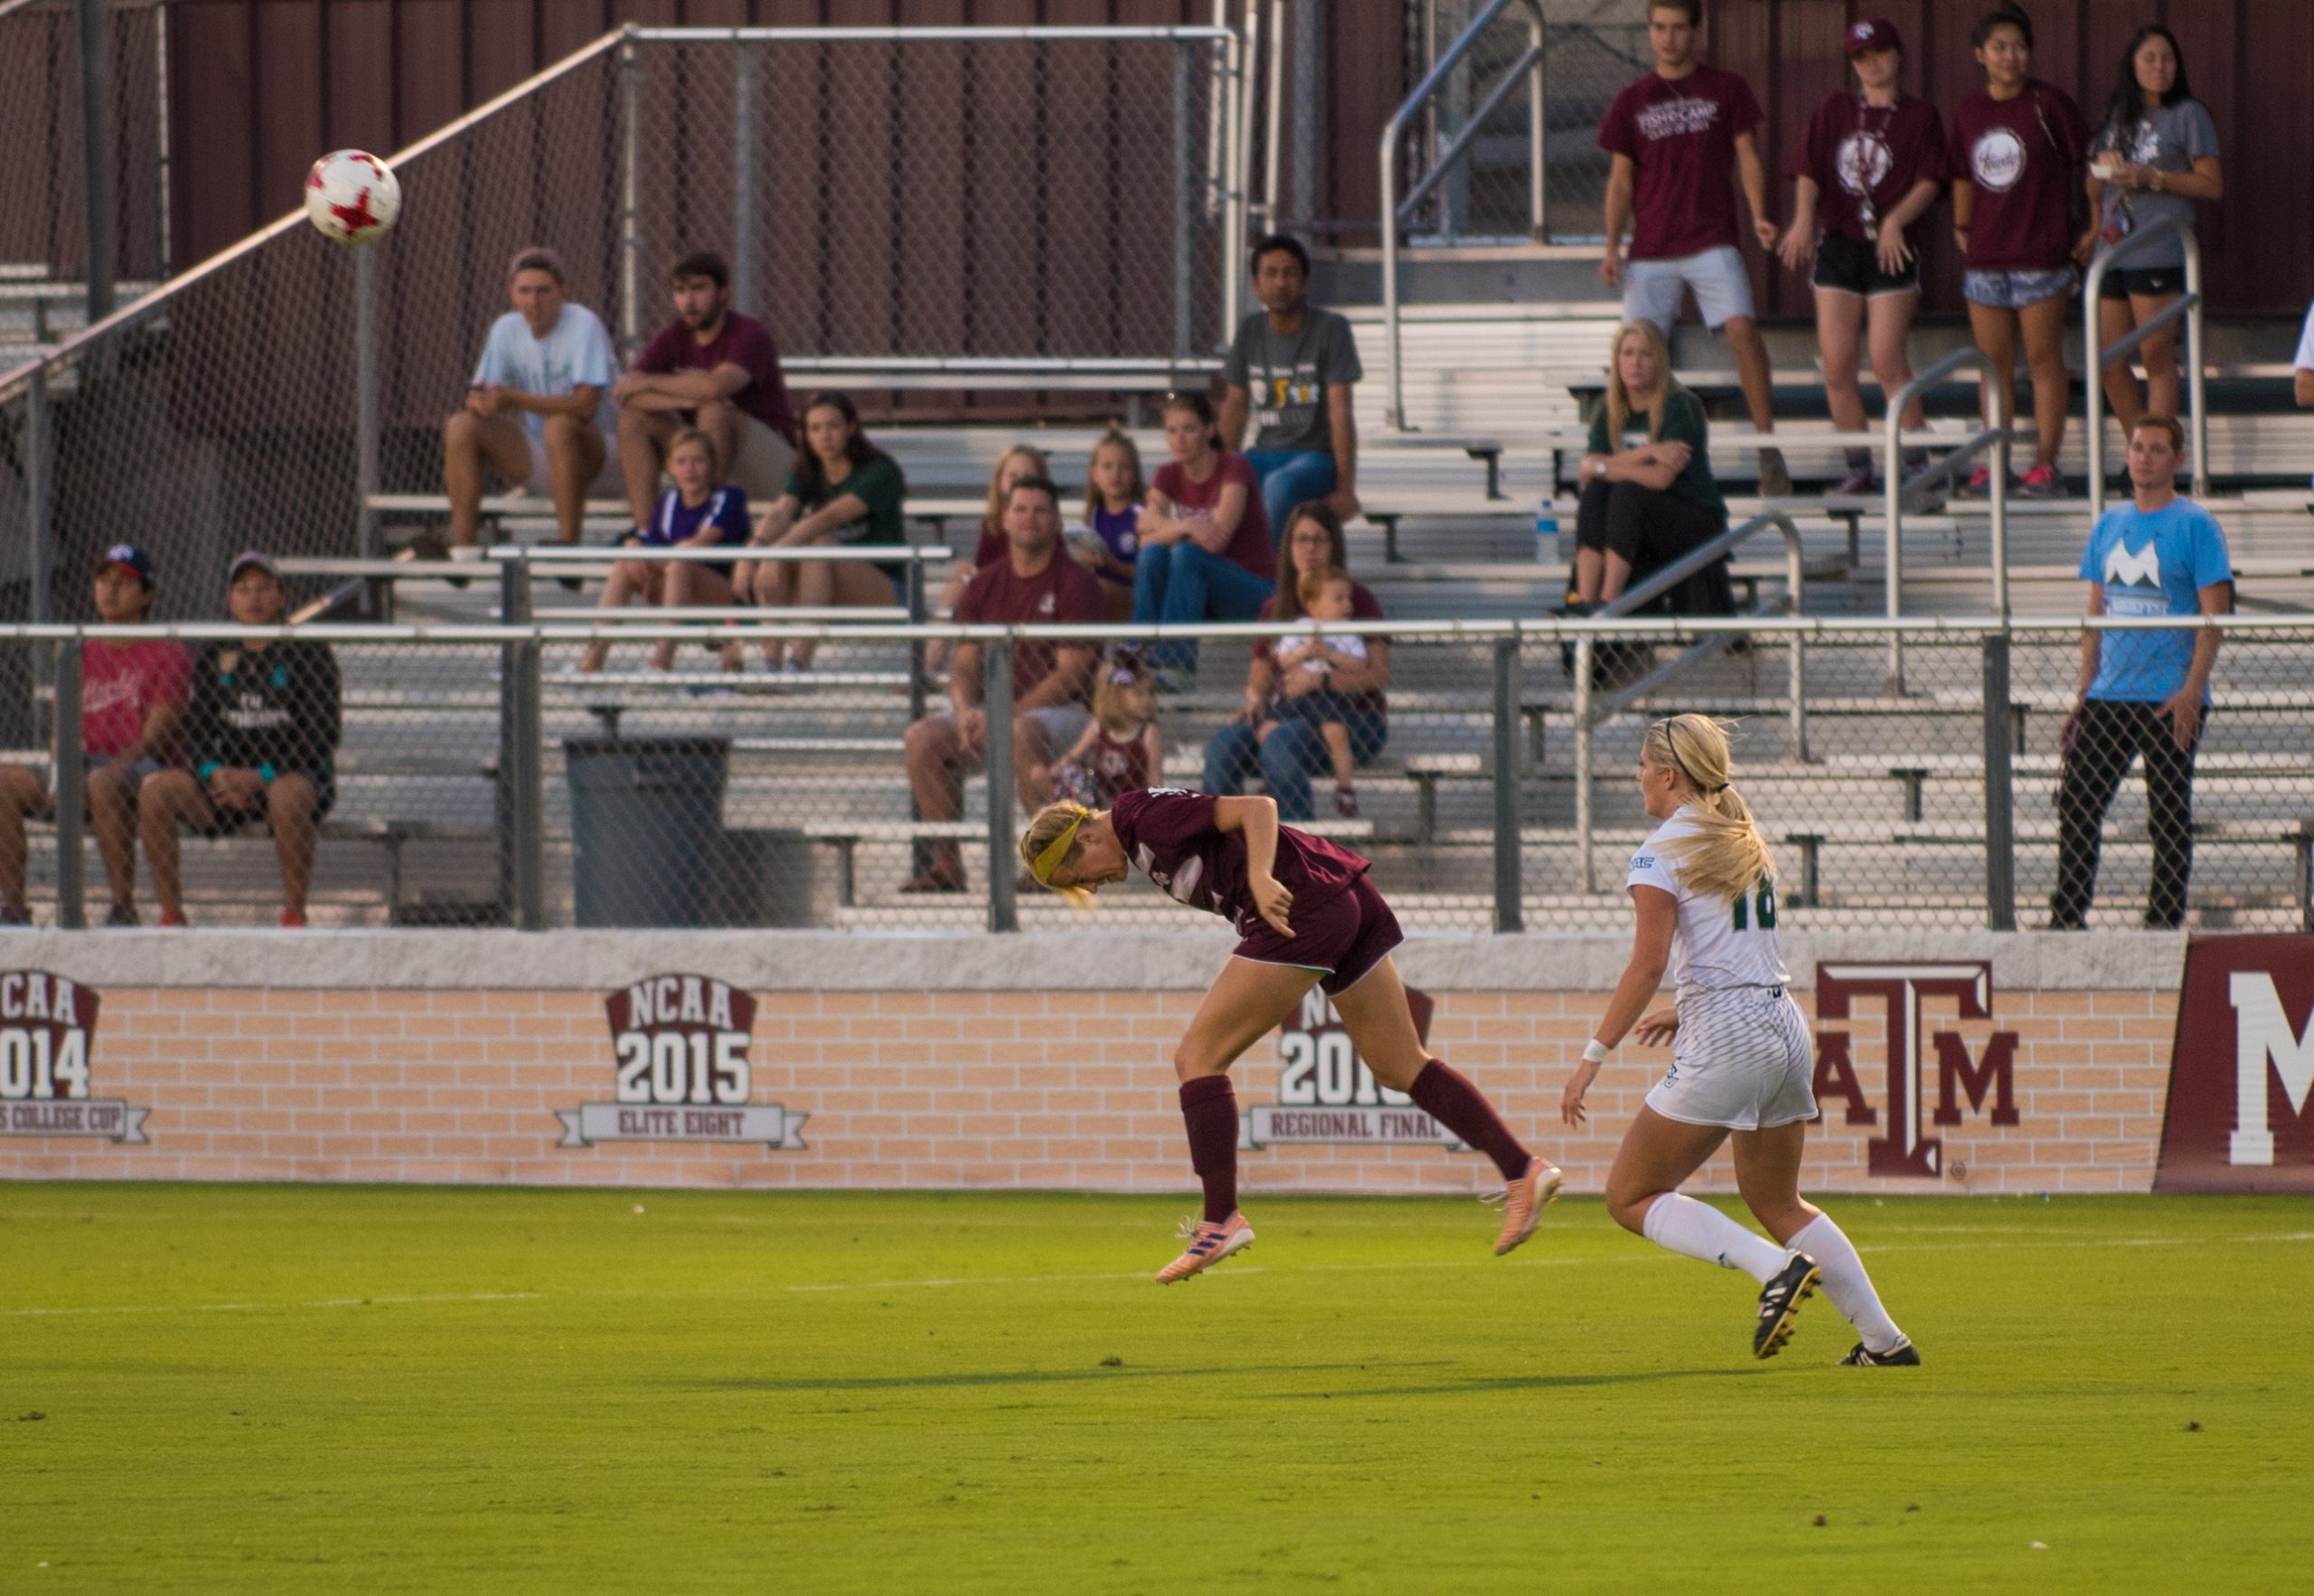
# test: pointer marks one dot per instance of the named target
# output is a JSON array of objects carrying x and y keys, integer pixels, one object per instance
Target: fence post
[
  {"x": 70, "y": 797},
  {"x": 1185, "y": 202},
  {"x": 743, "y": 180},
  {"x": 520, "y": 781},
  {"x": 1583, "y": 656},
  {"x": 2000, "y": 816},
  {"x": 42, "y": 554},
  {"x": 96, "y": 156},
  {"x": 161, "y": 128},
  {"x": 1508, "y": 876},
  {"x": 630, "y": 218},
  {"x": 365, "y": 398},
  {"x": 1003, "y": 913}
]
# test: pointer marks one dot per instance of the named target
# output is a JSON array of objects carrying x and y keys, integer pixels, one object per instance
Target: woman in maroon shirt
[
  {"x": 2017, "y": 148},
  {"x": 1306, "y": 915},
  {"x": 1206, "y": 552}
]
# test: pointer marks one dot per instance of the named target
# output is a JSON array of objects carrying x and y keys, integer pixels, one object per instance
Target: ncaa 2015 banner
[{"x": 2241, "y": 1110}]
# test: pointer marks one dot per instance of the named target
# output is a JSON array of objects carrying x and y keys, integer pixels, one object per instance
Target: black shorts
[
  {"x": 1847, "y": 265},
  {"x": 2152, "y": 282},
  {"x": 1344, "y": 937},
  {"x": 228, "y": 819}
]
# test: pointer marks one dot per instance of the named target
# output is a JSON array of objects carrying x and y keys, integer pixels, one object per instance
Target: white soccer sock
[
  {"x": 1698, "y": 1230},
  {"x": 1845, "y": 1282}
]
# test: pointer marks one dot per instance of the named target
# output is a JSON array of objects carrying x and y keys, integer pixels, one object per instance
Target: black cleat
[
  {"x": 1779, "y": 1301},
  {"x": 1903, "y": 1355}
]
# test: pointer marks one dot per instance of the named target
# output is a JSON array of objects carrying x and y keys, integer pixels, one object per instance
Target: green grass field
[{"x": 212, "y": 1388}]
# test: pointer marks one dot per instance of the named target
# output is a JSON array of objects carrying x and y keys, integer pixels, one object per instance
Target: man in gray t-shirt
[{"x": 1290, "y": 370}]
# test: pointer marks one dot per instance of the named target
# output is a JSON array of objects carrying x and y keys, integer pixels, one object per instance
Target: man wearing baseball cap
[
  {"x": 132, "y": 694},
  {"x": 260, "y": 741}
]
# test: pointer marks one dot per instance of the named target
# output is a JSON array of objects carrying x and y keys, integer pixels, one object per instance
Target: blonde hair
[
  {"x": 1109, "y": 706},
  {"x": 1045, "y": 828},
  {"x": 1725, "y": 856},
  {"x": 691, "y": 434},
  {"x": 1041, "y": 464},
  {"x": 1115, "y": 438},
  {"x": 1619, "y": 411},
  {"x": 1312, "y": 585}
]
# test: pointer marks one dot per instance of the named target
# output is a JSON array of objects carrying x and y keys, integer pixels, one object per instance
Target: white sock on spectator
[
  {"x": 1698, "y": 1230},
  {"x": 1845, "y": 1282}
]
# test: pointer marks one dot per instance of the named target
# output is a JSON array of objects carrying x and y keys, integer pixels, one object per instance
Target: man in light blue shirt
[
  {"x": 2141, "y": 692},
  {"x": 534, "y": 412}
]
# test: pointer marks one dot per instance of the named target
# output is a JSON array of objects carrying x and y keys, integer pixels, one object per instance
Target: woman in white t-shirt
[{"x": 1704, "y": 886}]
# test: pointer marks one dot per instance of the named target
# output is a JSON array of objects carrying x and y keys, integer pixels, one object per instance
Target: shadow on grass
[
  {"x": 1023, "y": 1378},
  {"x": 1476, "y": 1387}
]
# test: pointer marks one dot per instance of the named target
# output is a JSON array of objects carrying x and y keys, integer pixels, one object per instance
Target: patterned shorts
[{"x": 1743, "y": 1060}]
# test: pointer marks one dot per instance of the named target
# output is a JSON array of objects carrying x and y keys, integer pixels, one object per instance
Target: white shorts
[
  {"x": 606, "y": 478},
  {"x": 1652, "y": 289},
  {"x": 1743, "y": 1060}
]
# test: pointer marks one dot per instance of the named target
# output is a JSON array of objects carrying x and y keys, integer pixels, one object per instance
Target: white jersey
[{"x": 1720, "y": 945}]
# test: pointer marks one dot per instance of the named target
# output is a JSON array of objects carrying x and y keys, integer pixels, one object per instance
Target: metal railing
[
  {"x": 2186, "y": 306},
  {"x": 1993, "y": 386},
  {"x": 1397, "y": 212}
]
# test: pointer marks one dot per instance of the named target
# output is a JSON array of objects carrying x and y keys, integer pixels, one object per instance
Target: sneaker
[
  {"x": 1859, "y": 482},
  {"x": 172, "y": 920},
  {"x": 15, "y": 915},
  {"x": 1523, "y": 1202},
  {"x": 1775, "y": 478},
  {"x": 291, "y": 920},
  {"x": 1915, "y": 462},
  {"x": 1779, "y": 1301},
  {"x": 1902, "y": 1356},
  {"x": 2041, "y": 483},
  {"x": 1346, "y": 803},
  {"x": 121, "y": 915},
  {"x": 1208, "y": 1244},
  {"x": 1979, "y": 483}
]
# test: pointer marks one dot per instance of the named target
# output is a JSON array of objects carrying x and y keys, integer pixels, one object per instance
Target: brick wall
[{"x": 428, "y": 1062}]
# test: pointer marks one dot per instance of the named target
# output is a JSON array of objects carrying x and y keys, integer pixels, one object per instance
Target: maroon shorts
[{"x": 1345, "y": 936}]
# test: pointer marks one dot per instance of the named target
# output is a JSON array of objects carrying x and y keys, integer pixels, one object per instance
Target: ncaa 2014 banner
[{"x": 2241, "y": 1110}]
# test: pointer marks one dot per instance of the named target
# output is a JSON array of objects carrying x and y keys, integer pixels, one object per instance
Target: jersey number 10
[{"x": 1762, "y": 903}]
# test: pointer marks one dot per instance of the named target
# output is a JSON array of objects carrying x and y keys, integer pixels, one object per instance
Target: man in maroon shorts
[{"x": 1306, "y": 915}]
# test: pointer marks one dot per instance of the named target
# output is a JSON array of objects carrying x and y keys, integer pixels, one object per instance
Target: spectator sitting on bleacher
[
  {"x": 1205, "y": 550},
  {"x": 534, "y": 410},
  {"x": 2156, "y": 155},
  {"x": 1292, "y": 365},
  {"x": 261, "y": 736},
  {"x": 2141, "y": 692},
  {"x": 1679, "y": 140},
  {"x": 1110, "y": 540},
  {"x": 1287, "y": 754},
  {"x": 694, "y": 513},
  {"x": 1649, "y": 496},
  {"x": 132, "y": 695},
  {"x": 1034, "y": 584},
  {"x": 711, "y": 369},
  {"x": 1873, "y": 162},
  {"x": 1017, "y": 464},
  {"x": 844, "y": 490}
]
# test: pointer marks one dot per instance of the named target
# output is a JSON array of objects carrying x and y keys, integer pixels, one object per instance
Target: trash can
[
  {"x": 646, "y": 828},
  {"x": 769, "y": 878}
]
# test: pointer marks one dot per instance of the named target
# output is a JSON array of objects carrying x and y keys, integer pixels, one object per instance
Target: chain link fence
[{"x": 482, "y": 776}]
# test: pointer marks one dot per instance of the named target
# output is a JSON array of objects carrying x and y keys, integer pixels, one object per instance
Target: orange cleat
[
  {"x": 1210, "y": 1243},
  {"x": 1523, "y": 1202}
]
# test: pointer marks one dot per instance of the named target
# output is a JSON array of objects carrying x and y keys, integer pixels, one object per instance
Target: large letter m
[{"x": 2263, "y": 1031}]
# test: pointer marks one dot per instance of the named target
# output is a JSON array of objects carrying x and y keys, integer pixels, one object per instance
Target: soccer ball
[{"x": 351, "y": 197}]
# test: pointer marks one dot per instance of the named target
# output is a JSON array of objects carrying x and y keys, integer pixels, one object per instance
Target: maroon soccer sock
[
  {"x": 1450, "y": 1100},
  {"x": 1210, "y": 1110}
]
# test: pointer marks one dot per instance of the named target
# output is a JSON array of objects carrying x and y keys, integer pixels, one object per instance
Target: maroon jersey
[
  {"x": 1866, "y": 158},
  {"x": 1169, "y": 834},
  {"x": 2024, "y": 157},
  {"x": 1120, "y": 764},
  {"x": 1680, "y": 133}
]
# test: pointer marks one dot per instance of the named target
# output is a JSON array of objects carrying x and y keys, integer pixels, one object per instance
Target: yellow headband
[{"x": 1056, "y": 850}]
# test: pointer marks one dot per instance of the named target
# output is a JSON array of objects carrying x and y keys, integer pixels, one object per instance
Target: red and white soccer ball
[{"x": 351, "y": 197}]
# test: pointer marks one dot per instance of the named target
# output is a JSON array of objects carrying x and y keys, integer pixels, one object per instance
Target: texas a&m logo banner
[
  {"x": 1326, "y": 1093},
  {"x": 48, "y": 1026},
  {"x": 1904, "y": 1148},
  {"x": 682, "y": 1072},
  {"x": 2242, "y": 1074}
]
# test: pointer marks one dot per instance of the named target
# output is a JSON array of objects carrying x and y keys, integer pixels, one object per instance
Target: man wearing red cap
[{"x": 132, "y": 694}]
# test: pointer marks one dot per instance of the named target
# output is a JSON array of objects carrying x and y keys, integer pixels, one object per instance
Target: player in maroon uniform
[{"x": 1306, "y": 915}]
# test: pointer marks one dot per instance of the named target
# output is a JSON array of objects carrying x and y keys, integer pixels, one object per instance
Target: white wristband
[{"x": 1594, "y": 1051}]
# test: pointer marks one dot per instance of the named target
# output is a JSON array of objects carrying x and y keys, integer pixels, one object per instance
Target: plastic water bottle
[{"x": 1546, "y": 530}]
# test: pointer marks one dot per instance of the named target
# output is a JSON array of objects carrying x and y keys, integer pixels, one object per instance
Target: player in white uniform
[{"x": 1704, "y": 886}]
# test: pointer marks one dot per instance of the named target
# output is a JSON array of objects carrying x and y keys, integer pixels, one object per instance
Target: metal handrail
[
  {"x": 1587, "y": 713},
  {"x": 1993, "y": 385},
  {"x": 1395, "y": 212},
  {"x": 2188, "y": 305}
]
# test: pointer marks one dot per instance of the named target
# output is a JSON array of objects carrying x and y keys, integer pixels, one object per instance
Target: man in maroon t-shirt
[
  {"x": 1036, "y": 585},
  {"x": 1679, "y": 137},
  {"x": 714, "y": 368}
]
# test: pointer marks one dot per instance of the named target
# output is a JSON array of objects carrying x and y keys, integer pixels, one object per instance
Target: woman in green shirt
[
  {"x": 1648, "y": 492},
  {"x": 843, "y": 489}
]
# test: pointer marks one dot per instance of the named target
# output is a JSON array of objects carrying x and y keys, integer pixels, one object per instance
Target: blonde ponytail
[{"x": 1725, "y": 856}]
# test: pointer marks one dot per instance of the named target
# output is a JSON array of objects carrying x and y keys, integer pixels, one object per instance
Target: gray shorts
[
  {"x": 92, "y": 762},
  {"x": 1742, "y": 1059},
  {"x": 1652, "y": 289},
  {"x": 2014, "y": 290}
]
